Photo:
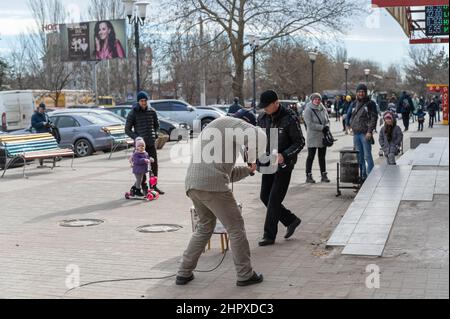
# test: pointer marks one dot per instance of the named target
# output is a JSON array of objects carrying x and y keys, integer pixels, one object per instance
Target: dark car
[{"x": 174, "y": 130}]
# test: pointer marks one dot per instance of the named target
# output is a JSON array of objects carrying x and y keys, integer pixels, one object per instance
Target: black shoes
[
  {"x": 325, "y": 178},
  {"x": 291, "y": 228},
  {"x": 266, "y": 242},
  {"x": 310, "y": 179},
  {"x": 256, "y": 279},
  {"x": 181, "y": 281}
]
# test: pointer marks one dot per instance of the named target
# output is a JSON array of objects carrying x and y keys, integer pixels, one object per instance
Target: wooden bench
[
  {"x": 118, "y": 137},
  {"x": 31, "y": 147}
]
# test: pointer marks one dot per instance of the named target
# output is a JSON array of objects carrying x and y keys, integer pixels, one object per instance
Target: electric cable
[{"x": 144, "y": 278}]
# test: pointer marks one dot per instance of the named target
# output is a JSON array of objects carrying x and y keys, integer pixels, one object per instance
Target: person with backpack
[{"x": 421, "y": 118}]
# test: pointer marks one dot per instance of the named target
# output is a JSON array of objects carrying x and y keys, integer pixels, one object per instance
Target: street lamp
[
  {"x": 254, "y": 42},
  {"x": 136, "y": 13},
  {"x": 367, "y": 73},
  {"x": 346, "y": 67},
  {"x": 312, "y": 57}
]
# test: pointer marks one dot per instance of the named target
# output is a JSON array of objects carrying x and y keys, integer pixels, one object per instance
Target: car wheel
[
  {"x": 205, "y": 122},
  {"x": 83, "y": 148}
]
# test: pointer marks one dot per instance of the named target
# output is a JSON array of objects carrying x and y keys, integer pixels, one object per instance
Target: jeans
[
  {"x": 322, "y": 159},
  {"x": 363, "y": 146},
  {"x": 273, "y": 191}
]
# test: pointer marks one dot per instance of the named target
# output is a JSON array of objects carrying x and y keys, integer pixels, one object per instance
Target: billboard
[{"x": 93, "y": 41}]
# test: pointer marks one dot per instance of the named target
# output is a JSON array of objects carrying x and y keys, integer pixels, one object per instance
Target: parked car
[
  {"x": 182, "y": 112},
  {"x": 167, "y": 126},
  {"x": 82, "y": 128},
  {"x": 218, "y": 107}
]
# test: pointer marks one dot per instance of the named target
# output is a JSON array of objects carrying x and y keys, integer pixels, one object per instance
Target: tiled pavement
[{"x": 35, "y": 252}]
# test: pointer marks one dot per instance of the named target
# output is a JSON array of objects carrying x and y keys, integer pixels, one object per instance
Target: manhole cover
[
  {"x": 81, "y": 222},
  {"x": 159, "y": 228}
]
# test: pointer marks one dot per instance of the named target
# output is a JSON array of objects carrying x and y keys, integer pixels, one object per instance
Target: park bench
[
  {"x": 118, "y": 138},
  {"x": 31, "y": 147}
]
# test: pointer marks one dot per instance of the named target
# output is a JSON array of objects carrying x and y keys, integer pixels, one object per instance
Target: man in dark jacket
[
  {"x": 41, "y": 123},
  {"x": 143, "y": 122},
  {"x": 275, "y": 186},
  {"x": 362, "y": 118},
  {"x": 432, "y": 109},
  {"x": 405, "y": 108},
  {"x": 236, "y": 107}
]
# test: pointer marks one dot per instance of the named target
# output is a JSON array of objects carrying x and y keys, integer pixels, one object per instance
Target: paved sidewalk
[{"x": 35, "y": 251}]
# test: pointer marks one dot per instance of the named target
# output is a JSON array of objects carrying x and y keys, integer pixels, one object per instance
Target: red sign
[
  {"x": 445, "y": 104},
  {"x": 443, "y": 90}
]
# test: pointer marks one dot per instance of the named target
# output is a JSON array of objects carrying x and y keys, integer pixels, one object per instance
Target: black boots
[
  {"x": 325, "y": 178},
  {"x": 310, "y": 179}
]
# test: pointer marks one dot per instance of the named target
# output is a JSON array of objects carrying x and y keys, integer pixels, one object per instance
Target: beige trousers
[{"x": 209, "y": 207}]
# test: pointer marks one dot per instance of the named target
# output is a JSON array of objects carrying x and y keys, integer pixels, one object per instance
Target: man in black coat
[
  {"x": 276, "y": 184},
  {"x": 143, "y": 122},
  {"x": 235, "y": 107}
]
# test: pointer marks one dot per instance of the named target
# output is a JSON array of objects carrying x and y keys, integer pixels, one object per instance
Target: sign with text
[{"x": 436, "y": 20}]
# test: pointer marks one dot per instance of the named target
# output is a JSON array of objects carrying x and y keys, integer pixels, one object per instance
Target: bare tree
[
  {"x": 427, "y": 65},
  {"x": 274, "y": 19},
  {"x": 44, "y": 49}
]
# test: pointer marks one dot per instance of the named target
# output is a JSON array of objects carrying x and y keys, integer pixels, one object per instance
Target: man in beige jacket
[{"x": 208, "y": 186}]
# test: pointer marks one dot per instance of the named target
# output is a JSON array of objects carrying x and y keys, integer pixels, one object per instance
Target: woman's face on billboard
[{"x": 104, "y": 31}]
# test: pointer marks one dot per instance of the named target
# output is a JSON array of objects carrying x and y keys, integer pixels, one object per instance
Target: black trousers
[
  {"x": 432, "y": 119},
  {"x": 273, "y": 192},
  {"x": 312, "y": 156},
  {"x": 421, "y": 122},
  {"x": 406, "y": 119},
  {"x": 151, "y": 150}
]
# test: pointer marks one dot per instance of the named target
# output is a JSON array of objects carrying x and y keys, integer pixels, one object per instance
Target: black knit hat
[
  {"x": 362, "y": 87},
  {"x": 142, "y": 96},
  {"x": 42, "y": 106},
  {"x": 267, "y": 98}
]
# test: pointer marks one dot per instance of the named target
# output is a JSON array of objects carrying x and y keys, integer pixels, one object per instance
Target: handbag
[{"x": 328, "y": 139}]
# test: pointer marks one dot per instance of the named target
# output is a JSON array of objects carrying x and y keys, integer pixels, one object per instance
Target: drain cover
[
  {"x": 159, "y": 228},
  {"x": 81, "y": 222}
]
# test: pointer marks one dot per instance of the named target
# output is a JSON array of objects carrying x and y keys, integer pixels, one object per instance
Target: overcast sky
[{"x": 377, "y": 37}]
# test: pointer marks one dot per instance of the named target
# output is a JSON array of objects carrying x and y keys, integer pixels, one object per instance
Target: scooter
[{"x": 151, "y": 193}]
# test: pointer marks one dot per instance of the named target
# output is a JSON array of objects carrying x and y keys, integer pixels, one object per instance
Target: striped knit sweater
[{"x": 205, "y": 174}]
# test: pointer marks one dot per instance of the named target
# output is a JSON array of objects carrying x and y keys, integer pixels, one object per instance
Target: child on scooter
[{"x": 140, "y": 161}]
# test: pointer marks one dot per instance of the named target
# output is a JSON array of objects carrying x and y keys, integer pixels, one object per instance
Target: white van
[{"x": 16, "y": 109}]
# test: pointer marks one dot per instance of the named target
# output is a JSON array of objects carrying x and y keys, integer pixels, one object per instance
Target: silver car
[
  {"x": 182, "y": 112},
  {"x": 84, "y": 129}
]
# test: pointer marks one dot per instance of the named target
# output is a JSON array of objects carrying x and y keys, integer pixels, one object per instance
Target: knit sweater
[{"x": 215, "y": 175}]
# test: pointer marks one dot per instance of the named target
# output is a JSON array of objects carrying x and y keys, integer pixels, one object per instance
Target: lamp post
[
  {"x": 136, "y": 13},
  {"x": 254, "y": 42},
  {"x": 346, "y": 67},
  {"x": 312, "y": 57},
  {"x": 367, "y": 73}
]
